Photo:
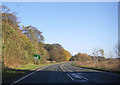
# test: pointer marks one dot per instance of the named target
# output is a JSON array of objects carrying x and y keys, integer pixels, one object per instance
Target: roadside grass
[
  {"x": 106, "y": 65},
  {"x": 9, "y": 74},
  {"x": 33, "y": 67}
]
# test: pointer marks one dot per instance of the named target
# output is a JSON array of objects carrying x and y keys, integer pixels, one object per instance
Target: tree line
[
  {"x": 21, "y": 43},
  {"x": 86, "y": 58}
]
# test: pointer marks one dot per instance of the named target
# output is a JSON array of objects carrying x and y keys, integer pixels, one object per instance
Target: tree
[
  {"x": 67, "y": 55},
  {"x": 19, "y": 44},
  {"x": 95, "y": 54},
  {"x": 33, "y": 33},
  {"x": 82, "y": 57},
  {"x": 58, "y": 46},
  {"x": 10, "y": 17},
  {"x": 57, "y": 52},
  {"x": 102, "y": 52}
]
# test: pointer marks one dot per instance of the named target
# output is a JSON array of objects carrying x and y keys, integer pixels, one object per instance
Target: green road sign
[{"x": 37, "y": 57}]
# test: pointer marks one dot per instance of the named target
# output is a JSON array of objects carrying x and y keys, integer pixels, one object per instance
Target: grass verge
[{"x": 96, "y": 68}]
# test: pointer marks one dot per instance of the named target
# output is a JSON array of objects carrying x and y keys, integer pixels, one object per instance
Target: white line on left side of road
[{"x": 28, "y": 75}]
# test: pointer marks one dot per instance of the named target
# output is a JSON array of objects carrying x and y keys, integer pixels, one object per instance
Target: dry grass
[{"x": 111, "y": 64}]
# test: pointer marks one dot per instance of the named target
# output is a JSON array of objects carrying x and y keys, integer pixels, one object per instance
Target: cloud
[{"x": 73, "y": 53}]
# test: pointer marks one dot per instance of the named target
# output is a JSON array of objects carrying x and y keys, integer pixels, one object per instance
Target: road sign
[{"x": 37, "y": 57}]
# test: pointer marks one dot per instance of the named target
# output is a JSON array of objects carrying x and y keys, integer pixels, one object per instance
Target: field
[{"x": 111, "y": 65}]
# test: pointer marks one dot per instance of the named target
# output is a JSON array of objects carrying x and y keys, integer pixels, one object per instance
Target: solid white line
[
  {"x": 67, "y": 68},
  {"x": 70, "y": 77},
  {"x": 28, "y": 75},
  {"x": 62, "y": 68},
  {"x": 42, "y": 68},
  {"x": 23, "y": 78}
]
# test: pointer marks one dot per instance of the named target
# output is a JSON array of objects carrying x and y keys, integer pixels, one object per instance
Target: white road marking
[
  {"x": 78, "y": 76},
  {"x": 64, "y": 71},
  {"x": 23, "y": 78},
  {"x": 29, "y": 75},
  {"x": 70, "y": 70},
  {"x": 83, "y": 77},
  {"x": 62, "y": 68},
  {"x": 66, "y": 68},
  {"x": 70, "y": 77}
]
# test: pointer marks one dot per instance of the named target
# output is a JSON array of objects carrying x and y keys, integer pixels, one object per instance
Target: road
[{"x": 65, "y": 73}]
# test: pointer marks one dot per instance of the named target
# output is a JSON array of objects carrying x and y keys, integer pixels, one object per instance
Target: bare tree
[
  {"x": 97, "y": 51},
  {"x": 111, "y": 53},
  {"x": 95, "y": 54},
  {"x": 101, "y": 52},
  {"x": 117, "y": 50}
]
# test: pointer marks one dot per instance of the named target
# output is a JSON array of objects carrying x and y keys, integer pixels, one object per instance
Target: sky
[{"x": 77, "y": 26}]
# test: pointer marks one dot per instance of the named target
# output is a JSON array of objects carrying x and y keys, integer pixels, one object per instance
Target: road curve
[{"x": 65, "y": 73}]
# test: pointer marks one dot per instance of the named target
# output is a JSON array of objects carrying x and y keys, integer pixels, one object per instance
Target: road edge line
[{"x": 29, "y": 74}]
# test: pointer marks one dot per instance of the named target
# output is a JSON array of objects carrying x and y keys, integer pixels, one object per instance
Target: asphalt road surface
[{"x": 65, "y": 73}]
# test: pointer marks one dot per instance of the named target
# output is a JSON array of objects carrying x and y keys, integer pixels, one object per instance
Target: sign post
[{"x": 37, "y": 57}]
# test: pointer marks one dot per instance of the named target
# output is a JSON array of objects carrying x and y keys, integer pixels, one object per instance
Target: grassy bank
[
  {"x": 9, "y": 74},
  {"x": 106, "y": 65}
]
